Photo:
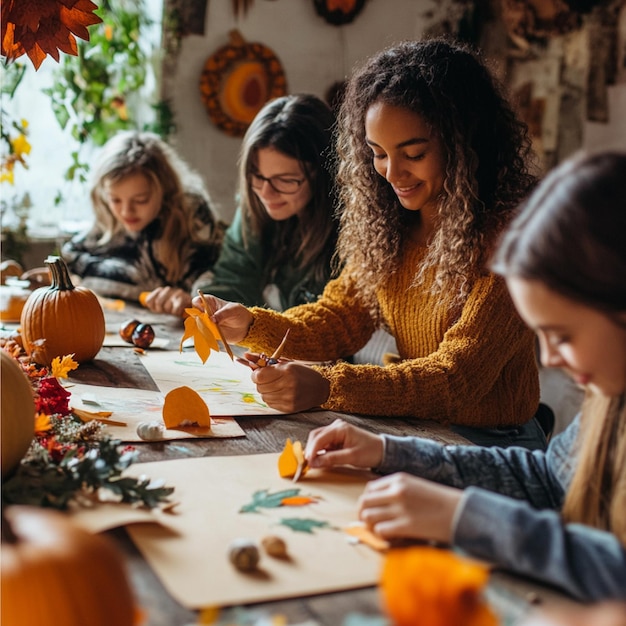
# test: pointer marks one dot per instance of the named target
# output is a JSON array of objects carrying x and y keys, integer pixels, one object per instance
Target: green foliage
[{"x": 42, "y": 480}]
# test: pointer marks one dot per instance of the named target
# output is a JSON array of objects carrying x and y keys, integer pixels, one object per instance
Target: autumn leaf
[
  {"x": 44, "y": 27},
  {"x": 61, "y": 366},
  {"x": 200, "y": 327},
  {"x": 42, "y": 423},
  {"x": 265, "y": 499}
]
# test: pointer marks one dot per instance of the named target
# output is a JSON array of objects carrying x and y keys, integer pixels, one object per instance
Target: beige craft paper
[
  {"x": 140, "y": 405},
  {"x": 224, "y": 385},
  {"x": 188, "y": 552}
]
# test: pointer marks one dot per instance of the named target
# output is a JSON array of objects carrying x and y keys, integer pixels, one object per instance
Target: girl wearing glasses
[
  {"x": 277, "y": 251},
  {"x": 433, "y": 163}
]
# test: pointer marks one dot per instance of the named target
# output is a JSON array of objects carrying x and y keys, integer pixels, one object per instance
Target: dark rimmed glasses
[{"x": 280, "y": 184}]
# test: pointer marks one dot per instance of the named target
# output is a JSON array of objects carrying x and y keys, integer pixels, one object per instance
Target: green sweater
[{"x": 241, "y": 273}]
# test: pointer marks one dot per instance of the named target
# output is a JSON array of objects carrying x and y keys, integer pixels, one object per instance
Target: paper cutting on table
[
  {"x": 132, "y": 406},
  {"x": 188, "y": 550},
  {"x": 224, "y": 385}
]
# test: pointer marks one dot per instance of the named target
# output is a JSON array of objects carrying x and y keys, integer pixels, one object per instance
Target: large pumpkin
[
  {"x": 62, "y": 319},
  {"x": 55, "y": 573},
  {"x": 18, "y": 412}
]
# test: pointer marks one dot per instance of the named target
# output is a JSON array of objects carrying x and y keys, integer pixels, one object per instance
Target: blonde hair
[
  {"x": 134, "y": 152},
  {"x": 582, "y": 201},
  {"x": 597, "y": 493}
]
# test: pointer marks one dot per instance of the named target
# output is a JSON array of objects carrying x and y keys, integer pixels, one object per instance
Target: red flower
[{"x": 52, "y": 398}]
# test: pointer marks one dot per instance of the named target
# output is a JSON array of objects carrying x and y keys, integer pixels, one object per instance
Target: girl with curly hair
[
  {"x": 560, "y": 513},
  {"x": 433, "y": 163},
  {"x": 153, "y": 230}
]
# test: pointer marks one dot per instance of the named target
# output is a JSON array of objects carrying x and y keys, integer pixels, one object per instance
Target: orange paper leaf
[
  {"x": 367, "y": 537},
  {"x": 203, "y": 330},
  {"x": 185, "y": 407},
  {"x": 297, "y": 501},
  {"x": 290, "y": 459}
]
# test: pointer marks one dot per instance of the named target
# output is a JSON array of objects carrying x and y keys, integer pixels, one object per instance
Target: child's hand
[
  {"x": 289, "y": 386},
  {"x": 341, "y": 443},
  {"x": 171, "y": 300},
  {"x": 233, "y": 318},
  {"x": 402, "y": 506}
]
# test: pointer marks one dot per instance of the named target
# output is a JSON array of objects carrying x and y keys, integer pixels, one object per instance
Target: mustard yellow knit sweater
[{"x": 478, "y": 371}]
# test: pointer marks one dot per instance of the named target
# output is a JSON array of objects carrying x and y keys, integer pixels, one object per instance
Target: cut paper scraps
[
  {"x": 223, "y": 384},
  {"x": 291, "y": 462},
  {"x": 184, "y": 407},
  {"x": 208, "y": 489},
  {"x": 123, "y": 409},
  {"x": 364, "y": 535}
]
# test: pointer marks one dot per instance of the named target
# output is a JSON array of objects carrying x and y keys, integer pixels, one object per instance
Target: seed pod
[
  {"x": 143, "y": 335},
  {"x": 244, "y": 554},
  {"x": 275, "y": 546},
  {"x": 126, "y": 330},
  {"x": 151, "y": 431}
]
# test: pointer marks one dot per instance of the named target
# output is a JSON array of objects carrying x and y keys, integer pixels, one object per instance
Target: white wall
[{"x": 314, "y": 54}]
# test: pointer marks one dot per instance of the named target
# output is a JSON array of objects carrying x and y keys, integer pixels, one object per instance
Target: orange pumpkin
[
  {"x": 18, "y": 413},
  {"x": 54, "y": 572},
  {"x": 62, "y": 319}
]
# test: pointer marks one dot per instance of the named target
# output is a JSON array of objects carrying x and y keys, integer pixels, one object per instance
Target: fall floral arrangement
[{"x": 71, "y": 459}]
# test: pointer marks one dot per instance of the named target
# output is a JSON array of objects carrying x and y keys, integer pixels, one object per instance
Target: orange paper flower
[
  {"x": 41, "y": 27},
  {"x": 425, "y": 586}
]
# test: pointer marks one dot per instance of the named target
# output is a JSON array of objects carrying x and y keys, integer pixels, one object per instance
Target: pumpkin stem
[
  {"x": 60, "y": 274},
  {"x": 8, "y": 536}
]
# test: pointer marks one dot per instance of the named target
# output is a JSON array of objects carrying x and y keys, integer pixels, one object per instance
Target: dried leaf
[
  {"x": 41, "y": 27},
  {"x": 185, "y": 407},
  {"x": 61, "y": 366}
]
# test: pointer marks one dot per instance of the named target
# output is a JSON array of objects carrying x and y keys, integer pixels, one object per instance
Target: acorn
[
  {"x": 244, "y": 554},
  {"x": 275, "y": 546},
  {"x": 143, "y": 335},
  {"x": 127, "y": 328}
]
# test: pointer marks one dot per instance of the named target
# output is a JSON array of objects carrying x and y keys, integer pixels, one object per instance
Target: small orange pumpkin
[
  {"x": 62, "y": 319},
  {"x": 54, "y": 572},
  {"x": 18, "y": 413}
]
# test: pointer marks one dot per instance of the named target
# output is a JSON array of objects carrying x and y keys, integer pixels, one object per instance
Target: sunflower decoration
[{"x": 44, "y": 27}]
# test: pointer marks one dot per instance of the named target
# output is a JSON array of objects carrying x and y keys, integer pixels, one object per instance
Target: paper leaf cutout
[
  {"x": 204, "y": 332},
  {"x": 266, "y": 500},
  {"x": 301, "y": 525},
  {"x": 367, "y": 537},
  {"x": 185, "y": 407},
  {"x": 61, "y": 366},
  {"x": 298, "y": 501},
  {"x": 291, "y": 460}
]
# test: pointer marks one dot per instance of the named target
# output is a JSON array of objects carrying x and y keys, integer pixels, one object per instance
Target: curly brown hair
[{"x": 487, "y": 153}]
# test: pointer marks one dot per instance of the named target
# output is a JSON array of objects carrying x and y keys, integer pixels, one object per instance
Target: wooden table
[{"x": 121, "y": 367}]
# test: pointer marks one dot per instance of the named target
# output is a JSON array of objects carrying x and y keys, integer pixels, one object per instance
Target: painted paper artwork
[
  {"x": 188, "y": 550},
  {"x": 224, "y": 385},
  {"x": 132, "y": 406}
]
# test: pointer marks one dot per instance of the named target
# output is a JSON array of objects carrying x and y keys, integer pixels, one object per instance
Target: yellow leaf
[
  {"x": 42, "y": 423},
  {"x": 203, "y": 331},
  {"x": 61, "y": 366},
  {"x": 185, "y": 407}
]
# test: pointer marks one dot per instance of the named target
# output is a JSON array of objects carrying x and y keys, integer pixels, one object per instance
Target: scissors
[{"x": 264, "y": 360}]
